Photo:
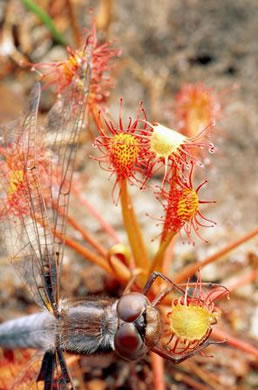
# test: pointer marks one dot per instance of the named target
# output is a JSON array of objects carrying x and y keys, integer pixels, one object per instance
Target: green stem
[
  {"x": 157, "y": 264},
  {"x": 43, "y": 16},
  {"x": 133, "y": 229}
]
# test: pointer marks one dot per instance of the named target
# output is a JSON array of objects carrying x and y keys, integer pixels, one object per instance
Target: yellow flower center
[
  {"x": 15, "y": 180},
  {"x": 191, "y": 322},
  {"x": 165, "y": 141},
  {"x": 124, "y": 150},
  {"x": 71, "y": 65},
  {"x": 188, "y": 205}
]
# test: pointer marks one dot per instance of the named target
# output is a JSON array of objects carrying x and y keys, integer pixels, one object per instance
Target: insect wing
[
  {"x": 61, "y": 134},
  {"x": 35, "y": 179},
  {"x": 22, "y": 203}
]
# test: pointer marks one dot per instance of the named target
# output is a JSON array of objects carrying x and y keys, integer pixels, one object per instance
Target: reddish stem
[
  {"x": 220, "y": 334},
  {"x": 157, "y": 364},
  {"x": 122, "y": 273},
  {"x": 168, "y": 257},
  {"x": 158, "y": 261},
  {"x": 87, "y": 236},
  {"x": 189, "y": 271},
  {"x": 244, "y": 280},
  {"x": 239, "y": 283},
  {"x": 105, "y": 225},
  {"x": 83, "y": 251}
]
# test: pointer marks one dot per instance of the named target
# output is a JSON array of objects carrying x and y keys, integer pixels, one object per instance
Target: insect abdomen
[{"x": 35, "y": 331}]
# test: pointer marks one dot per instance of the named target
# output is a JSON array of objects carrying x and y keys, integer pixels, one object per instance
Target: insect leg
[
  {"x": 132, "y": 280},
  {"x": 47, "y": 370},
  {"x": 152, "y": 279},
  {"x": 66, "y": 377}
]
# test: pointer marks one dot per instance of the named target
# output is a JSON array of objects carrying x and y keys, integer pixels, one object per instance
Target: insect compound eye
[
  {"x": 131, "y": 306},
  {"x": 128, "y": 342}
]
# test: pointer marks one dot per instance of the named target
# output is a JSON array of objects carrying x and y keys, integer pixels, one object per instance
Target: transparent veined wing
[
  {"x": 61, "y": 135},
  {"x": 19, "y": 185},
  {"x": 36, "y": 169}
]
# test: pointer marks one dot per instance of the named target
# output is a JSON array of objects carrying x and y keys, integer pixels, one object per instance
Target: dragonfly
[{"x": 36, "y": 169}]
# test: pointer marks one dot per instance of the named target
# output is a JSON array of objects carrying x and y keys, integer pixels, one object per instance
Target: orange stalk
[
  {"x": 133, "y": 230},
  {"x": 158, "y": 261},
  {"x": 168, "y": 257},
  {"x": 123, "y": 274},
  {"x": 85, "y": 252},
  {"x": 187, "y": 272},
  {"x": 157, "y": 364},
  {"x": 87, "y": 236}
]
